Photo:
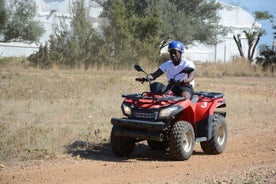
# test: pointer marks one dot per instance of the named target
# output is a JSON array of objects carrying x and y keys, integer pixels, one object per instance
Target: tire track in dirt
[{"x": 251, "y": 156}]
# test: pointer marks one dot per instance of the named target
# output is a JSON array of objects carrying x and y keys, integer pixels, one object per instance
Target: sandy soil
[{"x": 250, "y": 157}]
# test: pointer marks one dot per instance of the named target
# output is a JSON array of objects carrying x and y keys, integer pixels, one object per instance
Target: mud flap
[{"x": 203, "y": 129}]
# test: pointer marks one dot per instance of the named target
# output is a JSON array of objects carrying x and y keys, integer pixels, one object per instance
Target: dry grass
[
  {"x": 235, "y": 68},
  {"x": 42, "y": 112}
]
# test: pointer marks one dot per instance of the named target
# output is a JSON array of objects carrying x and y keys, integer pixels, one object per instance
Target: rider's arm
[
  {"x": 190, "y": 78},
  {"x": 156, "y": 74}
]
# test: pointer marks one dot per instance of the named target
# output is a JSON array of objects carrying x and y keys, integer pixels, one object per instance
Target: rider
[{"x": 173, "y": 67}]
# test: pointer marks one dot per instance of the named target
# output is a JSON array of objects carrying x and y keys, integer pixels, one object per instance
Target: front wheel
[
  {"x": 217, "y": 143},
  {"x": 121, "y": 146},
  {"x": 182, "y": 140}
]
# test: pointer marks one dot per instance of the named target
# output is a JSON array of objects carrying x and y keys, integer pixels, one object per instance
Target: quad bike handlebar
[
  {"x": 143, "y": 79},
  {"x": 158, "y": 87},
  {"x": 147, "y": 79}
]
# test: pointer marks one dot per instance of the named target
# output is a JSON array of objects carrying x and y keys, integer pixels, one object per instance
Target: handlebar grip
[{"x": 140, "y": 79}]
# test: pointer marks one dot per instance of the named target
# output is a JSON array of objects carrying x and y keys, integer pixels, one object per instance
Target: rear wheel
[
  {"x": 219, "y": 137},
  {"x": 182, "y": 140},
  {"x": 121, "y": 146}
]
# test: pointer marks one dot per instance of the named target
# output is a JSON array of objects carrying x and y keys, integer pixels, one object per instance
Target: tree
[
  {"x": 267, "y": 58},
  {"x": 3, "y": 16},
  {"x": 74, "y": 42},
  {"x": 140, "y": 25},
  {"x": 191, "y": 21},
  {"x": 274, "y": 37},
  {"x": 252, "y": 35},
  {"x": 20, "y": 24},
  {"x": 134, "y": 29},
  {"x": 84, "y": 36}
]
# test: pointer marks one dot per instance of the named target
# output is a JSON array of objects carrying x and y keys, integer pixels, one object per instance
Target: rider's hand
[
  {"x": 186, "y": 81},
  {"x": 150, "y": 77}
]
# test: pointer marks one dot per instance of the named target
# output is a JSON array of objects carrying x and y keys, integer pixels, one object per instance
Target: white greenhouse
[{"x": 238, "y": 20}]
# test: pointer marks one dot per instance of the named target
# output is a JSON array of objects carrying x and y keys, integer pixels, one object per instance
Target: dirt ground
[{"x": 249, "y": 157}]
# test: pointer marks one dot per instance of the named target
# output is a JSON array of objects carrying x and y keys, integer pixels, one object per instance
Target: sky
[
  {"x": 259, "y": 5},
  {"x": 251, "y": 6}
]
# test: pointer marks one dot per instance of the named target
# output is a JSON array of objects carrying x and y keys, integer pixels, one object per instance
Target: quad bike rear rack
[{"x": 213, "y": 95}]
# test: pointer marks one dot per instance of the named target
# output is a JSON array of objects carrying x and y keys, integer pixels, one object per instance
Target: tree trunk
[
  {"x": 250, "y": 58},
  {"x": 239, "y": 45}
]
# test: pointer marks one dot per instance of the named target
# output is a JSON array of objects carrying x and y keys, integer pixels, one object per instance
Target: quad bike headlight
[
  {"x": 167, "y": 112},
  {"x": 126, "y": 110}
]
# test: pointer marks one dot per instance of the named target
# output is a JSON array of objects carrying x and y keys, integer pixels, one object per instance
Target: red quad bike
[{"x": 168, "y": 121}]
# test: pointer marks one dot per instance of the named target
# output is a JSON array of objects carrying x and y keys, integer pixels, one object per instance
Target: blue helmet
[{"x": 176, "y": 45}]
